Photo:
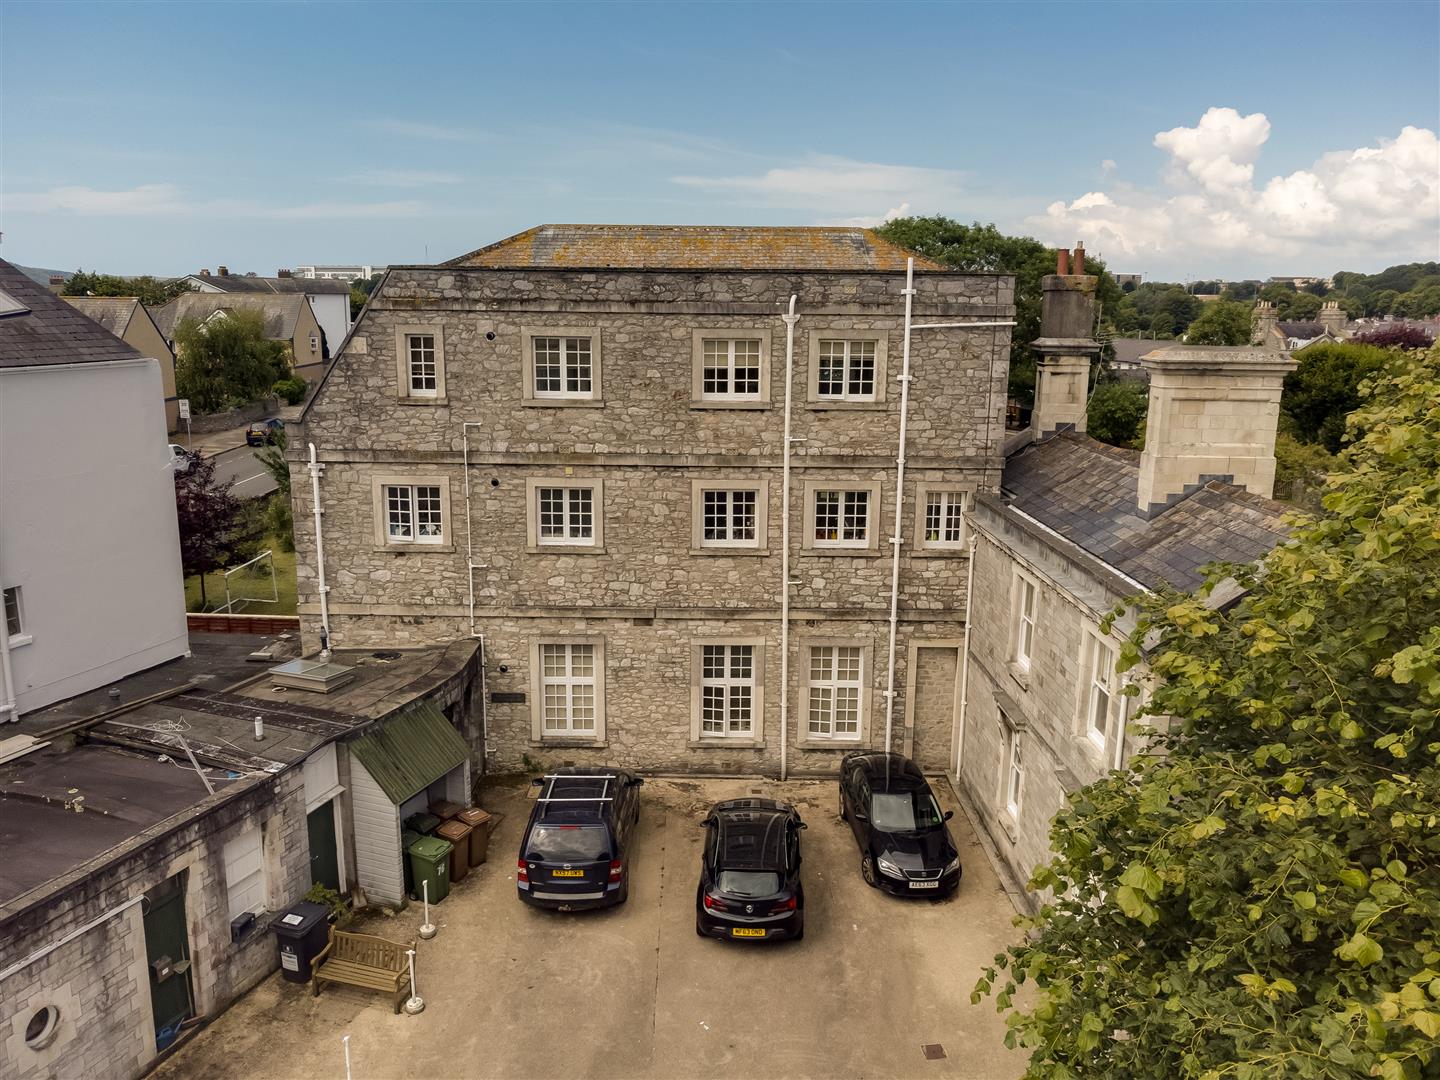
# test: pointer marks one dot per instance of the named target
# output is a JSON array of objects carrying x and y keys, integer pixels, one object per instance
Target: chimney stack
[
  {"x": 57, "y": 279},
  {"x": 1213, "y": 412},
  {"x": 1264, "y": 324},
  {"x": 205, "y": 272},
  {"x": 1066, "y": 345},
  {"x": 224, "y": 270},
  {"x": 1333, "y": 317},
  {"x": 283, "y": 273}
]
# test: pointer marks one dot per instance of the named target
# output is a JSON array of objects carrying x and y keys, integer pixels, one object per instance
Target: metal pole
[
  {"x": 346, "y": 1043},
  {"x": 416, "y": 1004},
  {"x": 790, "y": 320},
  {"x": 896, "y": 538},
  {"x": 190, "y": 754},
  {"x": 427, "y": 928}
]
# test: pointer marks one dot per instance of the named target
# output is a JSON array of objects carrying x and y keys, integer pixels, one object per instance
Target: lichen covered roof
[
  {"x": 694, "y": 247},
  {"x": 111, "y": 312},
  {"x": 281, "y": 313}
]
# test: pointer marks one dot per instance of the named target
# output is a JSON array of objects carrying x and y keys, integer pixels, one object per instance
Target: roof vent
[{"x": 319, "y": 676}]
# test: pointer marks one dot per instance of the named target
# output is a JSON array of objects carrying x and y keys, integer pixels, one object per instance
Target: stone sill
[
  {"x": 564, "y": 549},
  {"x": 726, "y": 744},
  {"x": 843, "y": 552},
  {"x": 960, "y": 552},
  {"x": 847, "y": 406},
  {"x": 561, "y": 403},
  {"x": 1008, "y": 823},
  {"x": 1020, "y": 675},
  {"x": 569, "y": 744},
  {"x": 415, "y": 549},
  {"x": 406, "y": 400},
  {"x": 753, "y": 405},
  {"x": 729, "y": 551},
  {"x": 21, "y": 639},
  {"x": 829, "y": 744}
]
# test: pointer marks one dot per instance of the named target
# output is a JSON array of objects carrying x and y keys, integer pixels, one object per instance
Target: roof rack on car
[{"x": 546, "y": 797}]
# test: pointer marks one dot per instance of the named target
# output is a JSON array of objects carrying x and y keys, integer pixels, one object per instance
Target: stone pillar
[
  {"x": 1213, "y": 411},
  {"x": 1333, "y": 317},
  {"x": 1264, "y": 324},
  {"x": 1066, "y": 345}
]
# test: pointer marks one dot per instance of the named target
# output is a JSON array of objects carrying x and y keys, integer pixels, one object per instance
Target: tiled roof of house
[
  {"x": 694, "y": 247},
  {"x": 46, "y": 330},
  {"x": 244, "y": 283},
  {"x": 1086, "y": 492},
  {"x": 1305, "y": 331},
  {"x": 112, "y": 312},
  {"x": 1129, "y": 350},
  {"x": 281, "y": 312}
]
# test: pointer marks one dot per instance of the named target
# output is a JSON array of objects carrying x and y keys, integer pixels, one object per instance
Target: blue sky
[{"x": 1292, "y": 137}]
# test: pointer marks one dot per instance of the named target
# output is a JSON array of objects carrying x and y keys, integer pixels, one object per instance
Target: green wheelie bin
[{"x": 430, "y": 862}]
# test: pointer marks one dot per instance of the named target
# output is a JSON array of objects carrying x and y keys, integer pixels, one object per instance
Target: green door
[
  {"x": 324, "y": 862},
  {"x": 166, "y": 941}
]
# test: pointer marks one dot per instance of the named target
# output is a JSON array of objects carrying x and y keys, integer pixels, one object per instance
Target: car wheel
[
  {"x": 699, "y": 932},
  {"x": 842, "y": 808},
  {"x": 800, "y": 933},
  {"x": 867, "y": 871},
  {"x": 624, "y": 890}
]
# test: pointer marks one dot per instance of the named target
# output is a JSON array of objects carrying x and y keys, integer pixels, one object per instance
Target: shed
[{"x": 397, "y": 770}]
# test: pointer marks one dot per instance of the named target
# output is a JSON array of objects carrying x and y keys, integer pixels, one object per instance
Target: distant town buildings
[
  {"x": 328, "y": 298},
  {"x": 336, "y": 272}
]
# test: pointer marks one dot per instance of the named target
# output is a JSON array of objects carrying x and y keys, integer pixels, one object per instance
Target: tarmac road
[{"x": 251, "y": 478}]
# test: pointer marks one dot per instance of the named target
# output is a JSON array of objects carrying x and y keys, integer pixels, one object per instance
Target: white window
[
  {"x": 420, "y": 360},
  {"x": 944, "y": 523},
  {"x": 727, "y": 690},
  {"x": 566, "y": 515},
  {"x": 314, "y": 343},
  {"x": 14, "y": 614},
  {"x": 846, "y": 370},
  {"x": 567, "y": 687},
  {"x": 729, "y": 517},
  {"x": 413, "y": 514},
  {"x": 730, "y": 369},
  {"x": 1014, "y": 768},
  {"x": 1099, "y": 692},
  {"x": 841, "y": 518},
  {"x": 835, "y": 691},
  {"x": 562, "y": 367},
  {"x": 245, "y": 873},
  {"x": 1026, "y": 599}
]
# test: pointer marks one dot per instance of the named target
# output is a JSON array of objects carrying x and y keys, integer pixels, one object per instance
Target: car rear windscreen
[
  {"x": 568, "y": 843},
  {"x": 748, "y": 883}
]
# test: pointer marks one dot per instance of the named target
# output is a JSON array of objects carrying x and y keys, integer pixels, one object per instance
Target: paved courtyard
[{"x": 633, "y": 992}]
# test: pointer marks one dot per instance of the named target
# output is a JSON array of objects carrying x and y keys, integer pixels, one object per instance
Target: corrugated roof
[
  {"x": 281, "y": 313},
  {"x": 411, "y": 751},
  {"x": 694, "y": 247},
  {"x": 50, "y": 331}
]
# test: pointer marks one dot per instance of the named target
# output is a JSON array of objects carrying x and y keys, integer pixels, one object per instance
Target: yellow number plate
[
  {"x": 745, "y": 931},
  {"x": 567, "y": 873}
]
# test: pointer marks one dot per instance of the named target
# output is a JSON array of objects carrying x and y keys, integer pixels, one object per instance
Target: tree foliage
[
  {"x": 227, "y": 361},
  {"x": 152, "y": 291},
  {"x": 1158, "y": 307},
  {"x": 1396, "y": 337},
  {"x": 279, "y": 512},
  {"x": 1324, "y": 389},
  {"x": 214, "y": 531},
  {"x": 1262, "y": 898},
  {"x": 1116, "y": 411},
  {"x": 360, "y": 290},
  {"x": 1223, "y": 322}
]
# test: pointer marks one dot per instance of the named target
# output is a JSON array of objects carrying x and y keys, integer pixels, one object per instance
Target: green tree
[
  {"x": 1260, "y": 897},
  {"x": 279, "y": 513},
  {"x": 1324, "y": 389},
  {"x": 1303, "y": 307},
  {"x": 360, "y": 290},
  {"x": 227, "y": 361},
  {"x": 152, "y": 291},
  {"x": 1223, "y": 322},
  {"x": 1116, "y": 411}
]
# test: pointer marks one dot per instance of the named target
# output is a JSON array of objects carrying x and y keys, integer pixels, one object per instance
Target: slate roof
[
  {"x": 1129, "y": 350},
  {"x": 281, "y": 313},
  {"x": 51, "y": 331},
  {"x": 1305, "y": 331},
  {"x": 1086, "y": 491},
  {"x": 694, "y": 247},
  {"x": 244, "y": 283},
  {"x": 112, "y": 312}
]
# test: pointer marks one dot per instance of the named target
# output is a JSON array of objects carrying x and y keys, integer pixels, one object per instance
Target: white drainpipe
[
  {"x": 895, "y": 536},
  {"x": 315, "y": 470},
  {"x": 9, "y": 708},
  {"x": 790, "y": 320},
  {"x": 965, "y": 655},
  {"x": 470, "y": 564}
]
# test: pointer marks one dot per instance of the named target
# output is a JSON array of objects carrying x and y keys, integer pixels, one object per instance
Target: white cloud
[
  {"x": 143, "y": 200},
  {"x": 168, "y": 200},
  {"x": 1108, "y": 166},
  {"x": 402, "y": 178},
  {"x": 1381, "y": 201},
  {"x": 836, "y": 185},
  {"x": 870, "y": 221}
]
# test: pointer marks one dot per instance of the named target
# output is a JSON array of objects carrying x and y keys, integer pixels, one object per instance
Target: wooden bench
[{"x": 371, "y": 963}]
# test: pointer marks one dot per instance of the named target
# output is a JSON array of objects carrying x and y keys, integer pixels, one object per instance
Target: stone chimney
[
  {"x": 1333, "y": 317},
  {"x": 1265, "y": 320},
  {"x": 282, "y": 273},
  {"x": 1066, "y": 345},
  {"x": 224, "y": 270},
  {"x": 57, "y": 279},
  {"x": 205, "y": 272},
  {"x": 1213, "y": 411}
]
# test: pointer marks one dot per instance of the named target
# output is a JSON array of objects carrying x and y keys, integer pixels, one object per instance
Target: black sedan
[
  {"x": 264, "y": 431},
  {"x": 905, "y": 846},
  {"x": 750, "y": 873}
]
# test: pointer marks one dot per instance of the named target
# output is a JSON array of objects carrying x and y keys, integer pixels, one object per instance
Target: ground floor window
[
  {"x": 1014, "y": 774},
  {"x": 567, "y": 681},
  {"x": 727, "y": 689},
  {"x": 834, "y": 691}
]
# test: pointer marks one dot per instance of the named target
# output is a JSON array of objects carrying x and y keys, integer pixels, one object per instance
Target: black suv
[
  {"x": 574, "y": 853},
  {"x": 750, "y": 872},
  {"x": 905, "y": 847}
]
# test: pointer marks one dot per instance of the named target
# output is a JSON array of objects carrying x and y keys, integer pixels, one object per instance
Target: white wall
[
  {"x": 377, "y": 838},
  {"x": 87, "y": 526},
  {"x": 332, "y": 312}
]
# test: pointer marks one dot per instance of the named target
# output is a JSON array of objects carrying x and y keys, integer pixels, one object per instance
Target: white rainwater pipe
[
  {"x": 895, "y": 536},
  {"x": 790, "y": 320},
  {"x": 9, "y": 706},
  {"x": 315, "y": 470},
  {"x": 965, "y": 654}
]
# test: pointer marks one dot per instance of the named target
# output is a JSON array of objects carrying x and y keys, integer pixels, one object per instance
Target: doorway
[
  {"x": 167, "y": 953},
  {"x": 324, "y": 854}
]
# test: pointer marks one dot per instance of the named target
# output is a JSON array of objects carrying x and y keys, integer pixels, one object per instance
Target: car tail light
[
  {"x": 714, "y": 903},
  {"x": 615, "y": 870},
  {"x": 788, "y": 904},
  {"x": 521, "y": 873}
]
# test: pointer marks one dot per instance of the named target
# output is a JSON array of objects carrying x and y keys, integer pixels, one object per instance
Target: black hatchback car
[
  {"x": 264, "y": 431},
  {"x": 750, "y": 872},
  {"x": 905, "y": 846},
  {"x": 574, "y": 853}
]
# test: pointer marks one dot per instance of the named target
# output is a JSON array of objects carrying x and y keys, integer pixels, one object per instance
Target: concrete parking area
[{"x": 633, "y": 992}]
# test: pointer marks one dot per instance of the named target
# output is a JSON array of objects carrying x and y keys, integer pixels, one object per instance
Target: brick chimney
[
  {"x": 224, "y": 270},
  {"x": 1263, "y": 324},
  {"x": 1333, "y": 317},
  {"x": 57, "y": 279},
  {"x": 1213, "y": 411},
  {"x": 1066, "y": 345},
  {"x": 205, "y": 272},
  {"x": 284, "y": 273}
]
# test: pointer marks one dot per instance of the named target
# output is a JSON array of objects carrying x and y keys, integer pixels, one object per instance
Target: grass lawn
[{"x": 247, "y": 584}]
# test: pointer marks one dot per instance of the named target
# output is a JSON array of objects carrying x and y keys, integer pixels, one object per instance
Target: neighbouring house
[
  {"x": 1128, "y": 352},
  {"x": 288, "y": 318},
  {"x": 329, "y": 298},
  {"x": 571, "y": 444},
  {"x": 89, "y": 545},
  {"x": 129, "y": 320},
  {"x": 1272, "y": 332},
  {"x": 1076, "y": 529},
  {"x": 338, "y": 272}
]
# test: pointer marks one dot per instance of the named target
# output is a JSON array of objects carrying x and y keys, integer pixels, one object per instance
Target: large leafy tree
[
  {"x": 1222, "y": 322},
  {"x": 1324, "y": 389},
  {"x": 214, "y": 525},
  {"x": 1262, "y": 899},
  {"x": 152, "y": 291},
  {"x": 227, "y": 360},
  {"x": 1116, "y": 412}
]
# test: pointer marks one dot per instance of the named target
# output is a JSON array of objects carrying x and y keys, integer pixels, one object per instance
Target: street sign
[{"x": 184, "y": 404}]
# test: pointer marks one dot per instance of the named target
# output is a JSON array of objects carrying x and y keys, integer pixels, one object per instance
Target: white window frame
[
  {"x": 412, "y": 512},
  {"x": 878, "y": 339},
  {"x": 1023, "y": 619},
  {"x": 700, "y": 397},
  {"x": 700, "y": 490},
  {"x": 563, "y": 396},
  {"x": 246, "y": 890},
  {"x": 14, "y": 600},
  {"x": 404, "y": 383},
  {"x": 813, "y": 494},
  {"x": 834, "y": 684},
  {"x": 1012, "y": 776},
  {"x": 1098, "y": 665},
  {"x": 415, "y": 366},
  {"x": 539, "y": 731},
  {"x": 948, "y": 494},
  {"x": 730, "y": 731},
  {"x": 538, "y": 543}
]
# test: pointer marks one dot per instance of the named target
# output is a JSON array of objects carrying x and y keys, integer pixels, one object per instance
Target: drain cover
[{"x": 933, "y": 1051}]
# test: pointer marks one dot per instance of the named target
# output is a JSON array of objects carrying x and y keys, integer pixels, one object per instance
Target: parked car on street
[
  {"x": 905, "y": 845},
  {"x": 750, "y": 872},
  {"x": 181, "y": 459},
  {"x": 575, "y": 850},
  {"x": 263, "y": 431}
]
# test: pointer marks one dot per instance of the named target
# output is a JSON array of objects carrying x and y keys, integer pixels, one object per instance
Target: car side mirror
[{"x": 948, "y": 815}]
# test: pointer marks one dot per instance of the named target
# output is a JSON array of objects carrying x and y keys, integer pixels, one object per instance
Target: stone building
[
  {"x": 1077, "y": 528},
  {"x": 571, "y": 444}
]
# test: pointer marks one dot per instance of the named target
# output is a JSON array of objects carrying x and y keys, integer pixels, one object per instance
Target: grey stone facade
[{"x": 648, "y": 594}]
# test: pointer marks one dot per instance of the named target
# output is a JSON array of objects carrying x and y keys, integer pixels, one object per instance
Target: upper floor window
[
  {"x": 842, "y": 518},
  {"x": 562, "y": 367},
  {"x": 1099, "y": 690},
  {"x": 729, "y": 516},
  {"x": 15, "y": 617},
  {"x": 1025, "y": 602},
  {"x": 730, "y": 369},
  {"x": 413, "y": 514},
  {"x": 847, "y": 370},
  {"x": 567, "y": 515},
  {"x": 421, "y": 367},
  {"x": 420, "y": 364},
  {"x": 942, "y": 517}
]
